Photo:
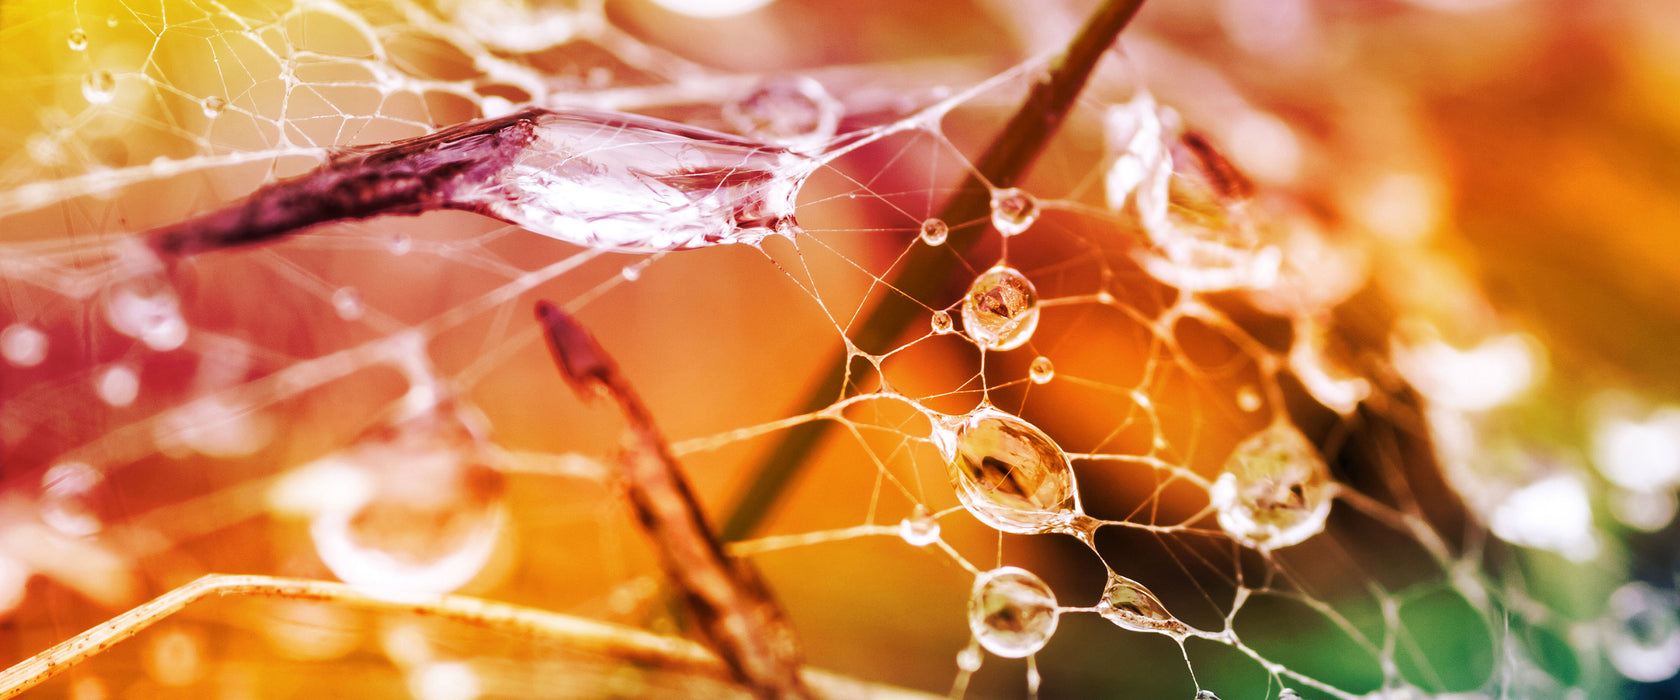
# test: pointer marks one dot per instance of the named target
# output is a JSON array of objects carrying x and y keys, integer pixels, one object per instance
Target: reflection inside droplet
[
  {"x": 1000, "y": 311},
  {"x": 1130, "y": 605},
  {"x": 1011, "y": 612},
  {"x": 1011, "y": 476},
  {"x": 1275, "y": 490},
  {"x": 1013, "y": 211}
]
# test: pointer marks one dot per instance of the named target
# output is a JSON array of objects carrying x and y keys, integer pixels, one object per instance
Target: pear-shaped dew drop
[
  {"x": 1013, "y": 211},
  {"x": 1275, "y": 490},
  {"x": 920, "y": 528},
  {"x": 1130, "y": 605},
  {"x": 1000, "y": 311},
  {"x": 1011, "y": 612},
  {"x": 941, "y": 322},
  {"x": 1011, "y": 476}
]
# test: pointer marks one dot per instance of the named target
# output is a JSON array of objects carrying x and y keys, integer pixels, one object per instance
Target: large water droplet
[
  {"x": 1041, "y": 371},
  {"x": 1011, "y": 476},
  {"x": 1000, "y": 311},
  {"x": 1275, "y": 490},
  {"x": 67, "y": 494},
  {"x": 99, "y": 86},
  {"x": 213, "y": 106},
  {"x": 24, "y": 345},
  {"x": 637, "y": 184},
  {"x": 792, "y": 112},
  {"x": 1012, "y": 612},
  {"x": 1130, "y": 605},
  {"x": 78, "y": 39},
  {"x": 1642, "y": 632},
  {"x": 1013, "y": 210},
  {"x": 920, "y": 529},
  {"x": 935, "y": 231},
  {"x": 411, "y": 506}
]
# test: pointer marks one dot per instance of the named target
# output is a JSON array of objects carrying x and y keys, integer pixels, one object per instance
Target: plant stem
[{"x": 926, "y": 269}]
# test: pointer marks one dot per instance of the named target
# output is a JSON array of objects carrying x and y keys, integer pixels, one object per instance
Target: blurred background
[{"x": 1465, "y": 206}]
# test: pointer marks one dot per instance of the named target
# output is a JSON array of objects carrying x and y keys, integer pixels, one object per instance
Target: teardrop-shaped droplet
[
  {"x": 412, "y": 506},
  {"x": 1013, "y": 210},
  {"x": 1012, "y": 612},
  {"x": 920, "y": 528},
  {"x": 637, "y": 184},
  {"x": 1041, "y": 371},
  {"x": 67, "y": 504},
  {"x": 1275, "y": 490},
  {"x": 78, "y": 39},
  {"x": 941, "y": 322},
  {"x": 213, "y": 106},
  {"x": 1130, "y": 605},
  {"x": 1000, "y": 311},
  {"x": 935, "y": 231},
  {"x": 792, "y": 112},
  {"x": 99, "y": 86},
  {"x": 1642, "y": 632},
  {"x": 1011, "y": 476}
]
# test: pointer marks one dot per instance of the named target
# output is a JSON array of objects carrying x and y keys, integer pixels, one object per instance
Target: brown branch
[{"x": 736, "y": 614}]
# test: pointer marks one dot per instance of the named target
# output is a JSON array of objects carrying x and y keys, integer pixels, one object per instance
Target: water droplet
[
  {"x": 118, "y": 385},
  {"x": 213, "y": 106},
  {"x": 1288, "y": 694},
  {"x": 67, "y": 494},
  {"x": 935, "y": 231},
  {"x": 636, "y": 184},
  {"x": 1206, "y": 695},
  {"x": 920, "y": 529},
  {"x": 1275, "y": 490},
  {"x": 175, "y": 657},
  {"x": 445, "y": 680},
  {"x": 1248, "y": 399},
  {"x": 1130, "y": 605},
  {"x": 1011, "y": 476},
  {"x": 347, "y": 302},
  {"x": 1012, "y": 612},
  {"x": 99, "y": 87},
  {"x": 413, "y": 505},
  {"x": 78, "y": 39},
  {"x": 145, "y": 307},
  {"x": 1042, "y": 370},
  {"x": 793, "y": 112},
  {"x": 400, "y": 244},
  {"x": 941, "y": 322},
  {"x": 969, "y": 659},
  {"x": 1013, "y": 210},
  {"x": 1642, "y": 632},
  {"x": 24, "y": 345},
  {"x": 1000, "y": 311},
  {"x": 111, "y": 21}
]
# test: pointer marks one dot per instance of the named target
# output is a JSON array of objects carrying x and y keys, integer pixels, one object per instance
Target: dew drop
[
  {"x": 24, "y": 345},
  {"x": 78, "y": 39},
  {"x": 1275, "y": 490},
  {"x": 1642, "y": 633},
  {"x": 1130, "y": 605},
  {"x": 941, "y": 322},
  {"x": 935, "y": 231},
  {"x": 1013, "y": 210},
  {"x": 99, "y": 87},
  {"x": 347, "y": 302},
  {"x": 1206, "y": 695},
  {"x": 1041, "y": 370},
  {"x": 1248, "y": 399},
  {"x": 1000, "y": 311},
  {"x": 400, "y": 244},
  {"x": 1288, "y": 694},
  {"x": 118, "y": 385},
  {"x": 111, "y": 21},
  {"x": 794, "y": 112},
  {"x": 213, "y": 106},
  {"x": 414, "y": 505},
  {"x": 1012, "y": 612},
  {"x": 147, "y": 309},
  {"x": 1011, "y": 476},
  {"x": 969, "y": 659},
  {"x": 67, "y": 493},
  {"x": 175, "y": 658},
  {"x": 920, "y": 529}
]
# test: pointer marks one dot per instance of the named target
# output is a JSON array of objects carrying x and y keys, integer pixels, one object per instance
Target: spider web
[{"x": 1202, "y": 330}]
